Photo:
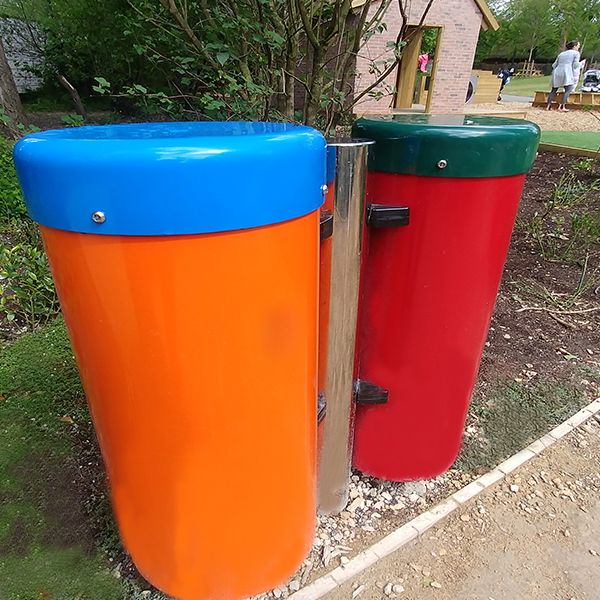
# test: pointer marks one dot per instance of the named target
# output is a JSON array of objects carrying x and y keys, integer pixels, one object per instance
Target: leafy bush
[
  {"x": 79, "y": 38},
  {"x": 27, "y": 294},
  {"x": 72, "y": 120},
  {"x": 11, "y": 200}
]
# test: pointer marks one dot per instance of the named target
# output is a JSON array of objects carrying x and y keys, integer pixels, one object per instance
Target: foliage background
[
  {"x": 227, "y": 59},
  {"x": 540, "y": 28}
]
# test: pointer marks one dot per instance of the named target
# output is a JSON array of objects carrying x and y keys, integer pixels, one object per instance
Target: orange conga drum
[{"x": 185, "y": 256}]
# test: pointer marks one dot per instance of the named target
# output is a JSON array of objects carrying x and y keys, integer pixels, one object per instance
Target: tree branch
[
  {"x": 189, "y": 33},
  {"x": 79, "y": 107},
  {"x": 308, "y": 28},
  {"x": 340, "y": 15}
]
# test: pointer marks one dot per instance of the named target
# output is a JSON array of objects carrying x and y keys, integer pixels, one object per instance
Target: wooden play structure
[
  {"x": 577, "y": 100},
  {"x": 529, "y": 69},
  {"x": 487, "y": 87},
  {"x": 484, "y": 87},
  {"x": 445, "y": 86}
]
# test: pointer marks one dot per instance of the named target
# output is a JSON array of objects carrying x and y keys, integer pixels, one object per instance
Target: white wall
[{"x": 23, "y": 57}]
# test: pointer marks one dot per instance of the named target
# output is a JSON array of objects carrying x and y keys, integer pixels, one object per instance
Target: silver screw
[
  {"x": 324, "y": 189},
  {"x": 442, "y": 164},
  {"x": 98, "y": 217}
]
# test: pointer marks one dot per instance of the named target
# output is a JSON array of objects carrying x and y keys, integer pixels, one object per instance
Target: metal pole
[{"x": 348, "y": 217}]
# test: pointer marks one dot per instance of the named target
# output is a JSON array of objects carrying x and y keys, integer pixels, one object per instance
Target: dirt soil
[
  {"x": 522, "y": 345},
  {"x": 534, "y": 536},
  {"x": 535, "y": 337}
]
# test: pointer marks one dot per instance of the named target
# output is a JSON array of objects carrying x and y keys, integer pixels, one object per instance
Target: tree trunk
[
  {"x": 315, "y": 88},
  {"x": 290, "y": 83},
  {"x": 10, "y": 101},
  {"x": 563, "y": 40}
]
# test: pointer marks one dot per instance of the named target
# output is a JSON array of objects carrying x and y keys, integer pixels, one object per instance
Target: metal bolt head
[
  {"x": 324, "y": 189},
  {"x": 442, "y": 164},
  {"x": 98, "y": 217}
]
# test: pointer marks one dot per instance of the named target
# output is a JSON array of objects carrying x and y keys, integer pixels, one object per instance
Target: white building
[{"x": 24, "y": 58}]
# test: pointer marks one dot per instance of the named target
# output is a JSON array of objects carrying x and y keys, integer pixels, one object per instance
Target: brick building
[{"x": 458, "y": 23}]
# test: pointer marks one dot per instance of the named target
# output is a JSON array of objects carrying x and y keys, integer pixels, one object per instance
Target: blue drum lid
[{"x": 171, "y": 178}]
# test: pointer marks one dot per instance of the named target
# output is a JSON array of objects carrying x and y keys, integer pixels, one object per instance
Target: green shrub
[
  {"x": 11, "y": 199},
  {"x": 27, "y": 294},
  {"x": 72, "y": 120}
]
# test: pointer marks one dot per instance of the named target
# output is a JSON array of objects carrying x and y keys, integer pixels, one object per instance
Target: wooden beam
[
  {"x": 421, "y": 92},
  {"x": 407, "y": 71},
  {"x": 558, "y": 149},
  {"x": 434, "y": 68},
  {"x": 489, "y": 20}
]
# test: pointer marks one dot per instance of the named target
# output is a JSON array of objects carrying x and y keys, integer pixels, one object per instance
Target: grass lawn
[
  {"x": 511, "y": 415},
  {"x": 48, "y": 545},
  {"x": 527, "y": 86},
  {"x": 588, "y": 140}
]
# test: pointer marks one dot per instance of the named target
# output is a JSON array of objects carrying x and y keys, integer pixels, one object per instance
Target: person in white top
[{"x": 565, "y": 72}]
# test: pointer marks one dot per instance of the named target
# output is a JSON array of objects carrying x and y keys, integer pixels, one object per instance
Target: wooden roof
[{"x": 489, "y": 20}]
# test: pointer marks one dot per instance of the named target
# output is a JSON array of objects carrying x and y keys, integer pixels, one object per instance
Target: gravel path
[
  {"x": 509, "y": 98},
  {"x": 375, "y": 508},
  {"x": 535, "y": 536},
  {"x": 575, "y": 120}
]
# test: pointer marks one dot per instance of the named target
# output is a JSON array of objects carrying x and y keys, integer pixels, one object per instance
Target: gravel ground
[
  {"x": 378, "y": 507},
  {"x": 375, "y": 508},
  {"x": 534, "y": 536},
  {"x": 575, "y": 120}
]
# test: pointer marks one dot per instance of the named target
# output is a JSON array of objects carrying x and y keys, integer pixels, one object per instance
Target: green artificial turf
[{"x": 586, "y": 140}]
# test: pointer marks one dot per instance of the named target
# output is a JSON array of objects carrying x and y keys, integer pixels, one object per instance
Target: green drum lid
[{"x": 450, "y": 145}]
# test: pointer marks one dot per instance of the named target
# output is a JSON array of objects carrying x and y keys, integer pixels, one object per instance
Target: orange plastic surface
[{"x": 198, "y": 356}]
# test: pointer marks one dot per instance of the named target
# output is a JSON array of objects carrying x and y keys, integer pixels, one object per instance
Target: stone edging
[{"x": 419, "y": 525}]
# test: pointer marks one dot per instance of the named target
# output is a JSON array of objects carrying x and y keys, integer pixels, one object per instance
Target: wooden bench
[
  {"x": 534, "y": 73},
  {"x": 577, "y": 100}
]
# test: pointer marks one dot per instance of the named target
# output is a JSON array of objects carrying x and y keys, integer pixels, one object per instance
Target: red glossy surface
[{"x": 428, "y": 292}]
